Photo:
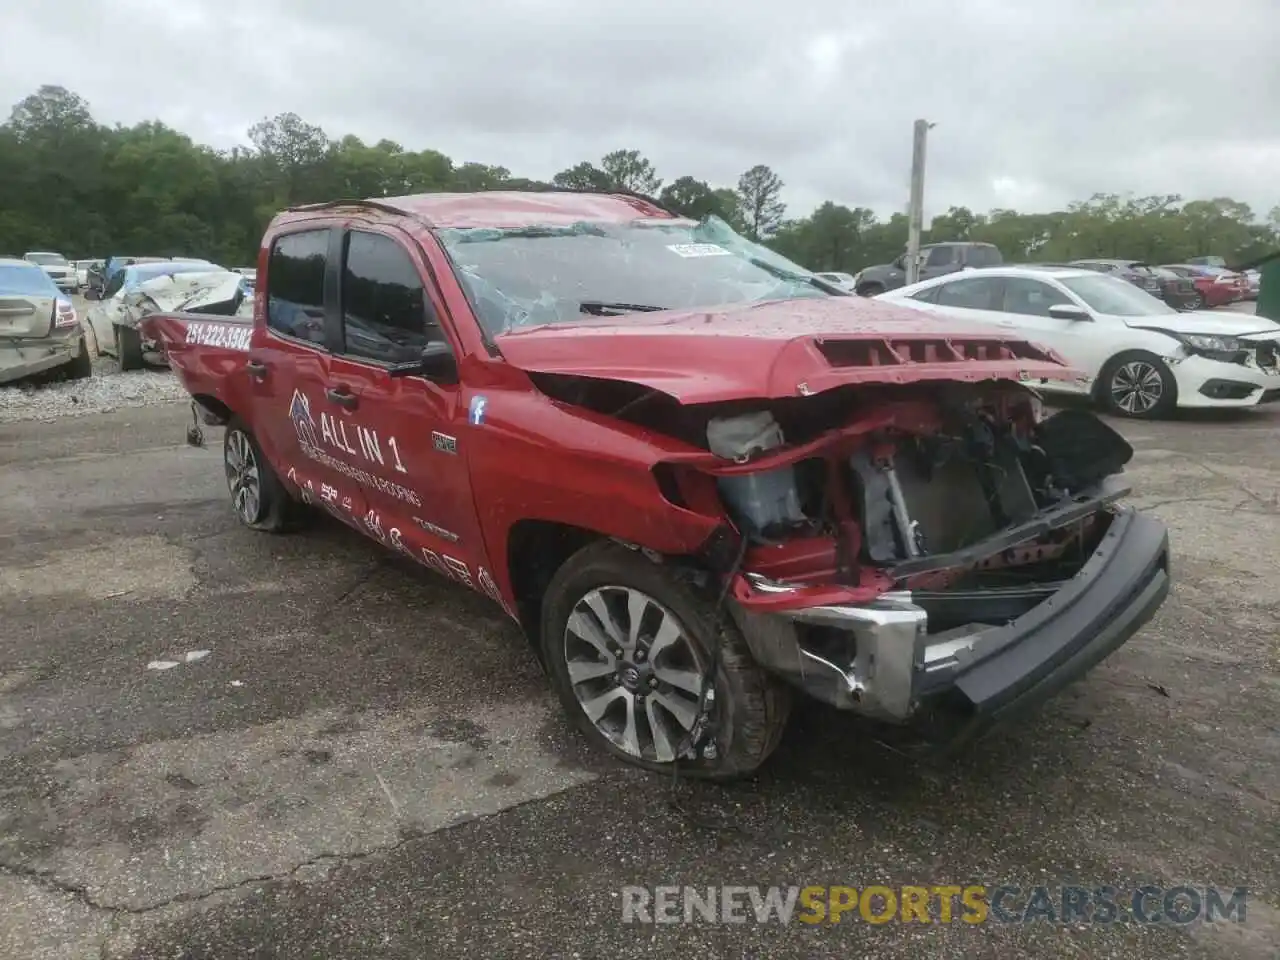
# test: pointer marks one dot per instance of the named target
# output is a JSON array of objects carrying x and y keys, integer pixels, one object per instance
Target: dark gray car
[{"x": 936, "y": 259}]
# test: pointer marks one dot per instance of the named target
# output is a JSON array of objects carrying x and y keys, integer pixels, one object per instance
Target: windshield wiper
[
  {"x": 606, "y": 308},
  {"x": 792, "y": 277}
]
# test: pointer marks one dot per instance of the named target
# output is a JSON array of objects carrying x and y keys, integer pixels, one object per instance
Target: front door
[
  {"x": 404, "y": 429},
  {"x": 1025, "y": 304},
  {"x": 288, "y": 371}
]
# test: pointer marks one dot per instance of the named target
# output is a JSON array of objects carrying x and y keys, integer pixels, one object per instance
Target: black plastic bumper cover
[{"x": 1115, "y": 593}]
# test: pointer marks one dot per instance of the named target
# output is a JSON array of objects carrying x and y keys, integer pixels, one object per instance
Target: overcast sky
[{"x": 1037, "y": 102}]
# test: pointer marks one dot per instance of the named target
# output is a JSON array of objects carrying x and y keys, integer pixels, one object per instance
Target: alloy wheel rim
[
  {"x": 1137, "y": 387},
  {"x": 243, "y": 478},
  {"x": 634, "y": 671}
]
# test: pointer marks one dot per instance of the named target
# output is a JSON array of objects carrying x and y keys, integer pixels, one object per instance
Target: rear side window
[
  {"x": 386, "y": 314},
  {"x": 295, "y": 285},
  {"x": 983, "y": 257},
  {"x": 971, "y": 293}
]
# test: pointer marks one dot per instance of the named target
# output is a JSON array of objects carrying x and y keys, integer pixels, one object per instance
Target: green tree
[
  {"x": 760, "y": 203},
  {"x": 69, "y": 183},
  {"x": 628, "y": 170},
  {"x": 583, "y": 176}
]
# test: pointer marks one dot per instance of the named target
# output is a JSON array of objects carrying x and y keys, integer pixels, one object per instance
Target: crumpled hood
[
  {"x": 779, "y": 348},
  {"x": 1222, "y": 323},
  {"x": 185, "y": 291}
]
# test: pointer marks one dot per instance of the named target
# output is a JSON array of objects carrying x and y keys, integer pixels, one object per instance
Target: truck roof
[{"x": 506, "y": 209}]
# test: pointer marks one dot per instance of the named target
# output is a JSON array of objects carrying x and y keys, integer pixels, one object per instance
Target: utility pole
[{"x": 915, "y": 210}]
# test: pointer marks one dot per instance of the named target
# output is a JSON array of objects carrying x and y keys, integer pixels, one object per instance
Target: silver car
[
  {"x": 58, "y": 267},
  {"x": 39, "y": 329}
]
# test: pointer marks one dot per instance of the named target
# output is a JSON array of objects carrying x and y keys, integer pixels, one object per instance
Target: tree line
[{"x": 71, "y": 184}]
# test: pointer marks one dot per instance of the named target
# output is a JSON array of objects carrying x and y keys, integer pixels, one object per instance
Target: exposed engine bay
[
  {"x": 899, "y": 479},
  {"x": 884, "y": 534}
]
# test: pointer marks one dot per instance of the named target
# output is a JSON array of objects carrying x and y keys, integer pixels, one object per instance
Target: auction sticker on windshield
[{"x": 698, "y": 249}]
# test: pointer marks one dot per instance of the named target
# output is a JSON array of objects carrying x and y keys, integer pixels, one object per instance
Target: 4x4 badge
[{"x": 444, "y": 443}]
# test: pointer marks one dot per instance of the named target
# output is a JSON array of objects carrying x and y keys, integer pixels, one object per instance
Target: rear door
[
  {"x": 288, "y": 369},
  {"x": 27, "y": 302},
  {"x": 404, "y": 430}
]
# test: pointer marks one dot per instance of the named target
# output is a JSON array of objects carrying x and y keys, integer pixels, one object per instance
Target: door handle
[
  {"x": 343, "y": 397},
  {"x": 257, "y": 369}
]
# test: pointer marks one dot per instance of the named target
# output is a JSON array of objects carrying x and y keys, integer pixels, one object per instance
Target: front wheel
[
  {"x": 1194, "y": 302},
  {"x": 259, "y": 499},
  {"x": 1138, "y": 385},
  {"x": 870, "y": 289},
  {"x": 627, "y": 645}
]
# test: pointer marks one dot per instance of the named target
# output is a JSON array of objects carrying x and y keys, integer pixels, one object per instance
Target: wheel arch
[
  {"x": 213, "y": 411},
  {"x": 536, "y": 549},
  {"x": 1133, "y": 352}
]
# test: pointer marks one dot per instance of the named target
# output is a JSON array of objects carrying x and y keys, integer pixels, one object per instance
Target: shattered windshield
[{"x": 533, "y": 276}]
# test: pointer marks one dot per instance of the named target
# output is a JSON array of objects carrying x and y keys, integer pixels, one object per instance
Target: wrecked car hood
[
  {"x": 193, "y": 292},
  {"x": 1223, "y": 324},
  {"x": 779, "y": 348}
]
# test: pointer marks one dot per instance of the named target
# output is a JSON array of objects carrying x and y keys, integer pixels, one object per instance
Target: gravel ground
[{"x": 107, "y": 390}]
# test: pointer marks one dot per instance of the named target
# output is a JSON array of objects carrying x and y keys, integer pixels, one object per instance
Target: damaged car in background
[
  {"x": 143, "y": 288},
  {"x": 699, "y": 477},
  {"x": 40, "y": 334}
]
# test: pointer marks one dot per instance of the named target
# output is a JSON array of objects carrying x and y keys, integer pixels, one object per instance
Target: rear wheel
[
  {"x": 129, "y": 348},
  {"x": 627, "y": 645},
  {"x": 82, "y": 366},
  {"x": 1138, "y": 385},
  {"x": 258, "y": 497}
]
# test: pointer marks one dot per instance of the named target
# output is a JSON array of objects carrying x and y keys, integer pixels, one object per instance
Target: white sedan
[{"x": 1139, "y": 356}]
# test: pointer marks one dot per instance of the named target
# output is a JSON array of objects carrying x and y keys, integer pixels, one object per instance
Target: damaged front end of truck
[{"x": 917, "y": 543}]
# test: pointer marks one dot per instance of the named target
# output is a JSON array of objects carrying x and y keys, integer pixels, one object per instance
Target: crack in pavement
[
  {"x": 51, "y": 881},
  {"x": 1266, "y": 501}
]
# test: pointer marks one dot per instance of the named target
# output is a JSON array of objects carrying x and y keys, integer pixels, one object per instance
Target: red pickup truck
[{"x": 697, "y": 475}]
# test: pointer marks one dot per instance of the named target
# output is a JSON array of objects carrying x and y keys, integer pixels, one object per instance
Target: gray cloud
[{"x": 1036, "y": 104}]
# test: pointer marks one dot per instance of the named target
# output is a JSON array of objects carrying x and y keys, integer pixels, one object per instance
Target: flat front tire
[
  {"x": 627, "y": 643},
  {"x": 259, "y": 499}
]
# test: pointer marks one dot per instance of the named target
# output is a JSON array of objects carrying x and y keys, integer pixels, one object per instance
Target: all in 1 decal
[
  {"x": 475, "y": 413},
  {"x": 330, "y": 432},
  {"x": 698, "y": 250}
]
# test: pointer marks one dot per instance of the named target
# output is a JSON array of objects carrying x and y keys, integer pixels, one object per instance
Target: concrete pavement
[{"x": 215, "y": 743}]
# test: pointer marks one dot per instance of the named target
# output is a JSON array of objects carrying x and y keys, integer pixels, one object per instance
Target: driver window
[
  {"x": 386, "y": 313},
  {"x": 1031, "y": 298}
]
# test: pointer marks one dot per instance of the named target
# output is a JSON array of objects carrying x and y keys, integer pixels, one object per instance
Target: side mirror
[
  {"x": 1069, "y": 311},
  {"x": 436, "y": 362}
]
